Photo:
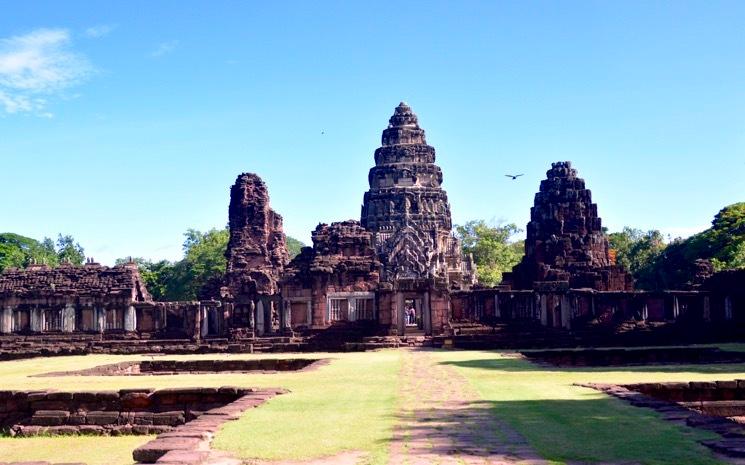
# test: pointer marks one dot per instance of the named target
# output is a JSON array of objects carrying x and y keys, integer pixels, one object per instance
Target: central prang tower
[{"x": 407, "y": 210}]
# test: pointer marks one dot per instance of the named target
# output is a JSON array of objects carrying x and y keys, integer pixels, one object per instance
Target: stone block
[
  {"x": 157, "y": 448},
  {"x": 50, "y": 417},
  {"x": 102, "y": 418}
]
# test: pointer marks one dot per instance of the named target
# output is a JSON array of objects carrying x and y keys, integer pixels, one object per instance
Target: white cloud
[
  {"x": 101, "y": 30},
  {"x": 40, "y": 63},
  {"x": 164, "y": 48}
]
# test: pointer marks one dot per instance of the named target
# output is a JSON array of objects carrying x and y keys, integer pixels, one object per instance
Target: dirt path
[{"x": 442, "y": 420}]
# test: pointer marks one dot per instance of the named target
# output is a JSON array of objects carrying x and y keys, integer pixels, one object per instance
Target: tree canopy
[
  {"x": 638, "y": 251},
  {"x": 673, "y": 266},
  {"x": 20, "y": 251},
  {"x": 493, "y": 251},
  {"x": 294, "y": 246}
]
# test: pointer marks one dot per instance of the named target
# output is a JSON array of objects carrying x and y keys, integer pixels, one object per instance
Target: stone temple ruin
[{"x": 397, "y": 272}]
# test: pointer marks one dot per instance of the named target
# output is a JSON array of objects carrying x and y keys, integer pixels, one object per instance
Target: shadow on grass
[
  {"x": 584, "y": 431},
  {"x": 524, "y": 365}
]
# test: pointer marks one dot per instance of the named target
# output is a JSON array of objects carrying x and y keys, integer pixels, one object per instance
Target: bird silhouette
[{"x": 513, "y": 176}]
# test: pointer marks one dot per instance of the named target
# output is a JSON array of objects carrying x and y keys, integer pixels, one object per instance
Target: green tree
[
  {"x": 493, "y": 251},
  {"x": 19, "y": 251},
  {"x": 723, "y": 244},
  {"x": 294, "y": 246},
  {"x": 69, "y": 251},
  {"x": 638, "y": 250}
]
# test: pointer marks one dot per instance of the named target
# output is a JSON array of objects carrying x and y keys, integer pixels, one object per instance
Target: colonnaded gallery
[{"x": 396, "y": 273}]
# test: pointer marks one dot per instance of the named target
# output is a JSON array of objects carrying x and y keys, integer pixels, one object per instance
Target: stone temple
[
  {"x": 399, "y": 263},
  {"x": 397, "y": 272}
]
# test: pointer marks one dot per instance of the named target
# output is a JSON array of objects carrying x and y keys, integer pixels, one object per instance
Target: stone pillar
[
  {"x": 251, "y": 311},
  {"x": 204, "y": 323},
  {"x": 707, "y": 309},
  {"x": 130, "y": 319},
  {"x": 36, "y": 323},
  {"x": 544, "y": 310},
  {"x": 286, "y": 317},
  {"x": 566, "y": 312},
  {"x": 676, "y": 308},
  {"x": 260, "y": 327},
  {"x": 497, "y": 310},
  {"x": 6, "y": 320},
  {"x": 68, "y": 319},
  {"x": 99, "y": 319},
  {"x": 645, "y": 312},
  {"x": 398, "y": 313},
  {"x": 310, "y": 313},
  {"x": 728, "y": 308},
  {"x": 592, "y": 304},
  {"x": 427, "y": 314}
]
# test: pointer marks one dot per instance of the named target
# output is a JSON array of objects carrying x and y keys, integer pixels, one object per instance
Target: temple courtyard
[{"x": 398, "y": 406}]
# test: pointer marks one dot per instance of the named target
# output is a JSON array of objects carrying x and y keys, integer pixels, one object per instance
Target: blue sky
[{"x": 125, "y": 123}]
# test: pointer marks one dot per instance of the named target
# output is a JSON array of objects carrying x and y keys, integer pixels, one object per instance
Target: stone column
[
  {"x": 99, "y": 319},
  {"x": 6, "y": 320},
  {"x": 310, "y": 313},
  {"x": 427, "y": 314},
  {"x": 728, "y": 308},
  {"x": 497, "y": 310},
  {"x": 204, "y": 323},
  {"x": 645, "y": 312},
  {"x": 398, "y": 313},
  {"x": 130, "y": 319},
  {"x": 592, "y": 304},
  {"x": 544, "y": 310},
  {"x": 288, "y": 316},
  {"x": 568, "y": 310},
  {"x": 260, "y": 327},
  {"x": 68, "y": 319},
  {"x": 676, "y": 308},
  {"x": 707, "y": 309},
  {"x": 36, "y": 323}
]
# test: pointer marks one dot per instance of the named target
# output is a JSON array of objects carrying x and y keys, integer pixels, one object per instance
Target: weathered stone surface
[
  {"x": 257, "y": 250},
  {"x": 89, "y": 281},
  {"x": 565, "y": 240},
  {"x": 342, "y": 253},
  {"x": 407, "y": 210}
]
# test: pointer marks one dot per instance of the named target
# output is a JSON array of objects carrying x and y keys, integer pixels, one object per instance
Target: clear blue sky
[{"x": 125, "y": 123}]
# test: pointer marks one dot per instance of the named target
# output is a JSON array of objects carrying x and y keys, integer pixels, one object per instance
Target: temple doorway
[{"x": 413, "y": 317}]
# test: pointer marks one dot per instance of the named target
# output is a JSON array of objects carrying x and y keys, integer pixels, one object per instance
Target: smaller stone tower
[
  {"x": 565, "y": 240},
  {"x": 256, "y": 255}
]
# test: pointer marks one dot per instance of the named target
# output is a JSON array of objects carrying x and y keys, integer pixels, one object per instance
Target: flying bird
[{"x": 513, "y": 176}]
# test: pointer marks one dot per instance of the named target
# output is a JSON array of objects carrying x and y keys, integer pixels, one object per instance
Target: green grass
[
  {"x": 348, "y": 405},
  {"x": 351, "y": 405},
  {"x": 569, "y": 423},
  {"x": 91, "y": 450}
]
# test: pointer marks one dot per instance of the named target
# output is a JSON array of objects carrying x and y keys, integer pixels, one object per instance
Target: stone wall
[{"x": 127, "y": 411}]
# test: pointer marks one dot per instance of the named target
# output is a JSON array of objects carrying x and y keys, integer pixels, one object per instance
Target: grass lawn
[
  {"x": 346, "y": 405},
  {"x": 351, "y": 405},
  {"x": 564, "y": 422},
  {"x": 91, "y": 450}
]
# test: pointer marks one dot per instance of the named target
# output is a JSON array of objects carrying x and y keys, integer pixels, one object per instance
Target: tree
[
  {"x": 69, "y": 251},
  {"x": 492, "y": 250},
  {"x": 637, "y": 251},
  {"x": 674, "y": 267},
  {"x": 294, "y": 247},
  {"x": 20, "y": 251}
]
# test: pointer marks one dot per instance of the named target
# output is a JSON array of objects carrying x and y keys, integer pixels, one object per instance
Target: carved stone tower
[
  {"x": 565, "y": 240},
  {"x": 256, "y": 254},
  {"x": 407, "y": 210}
]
